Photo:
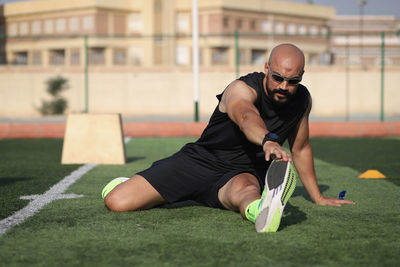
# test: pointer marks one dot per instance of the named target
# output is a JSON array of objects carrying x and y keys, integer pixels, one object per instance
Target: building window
[
  {"x": 23, "y": 28},
  {"x": 135, "y": 23},
  {"x": 253, "y": 25},
  {"x": 242, "y": 57},
  {"x": 135, "y": 55},
  {"x": 3, "y": 59},
  {"x": 258, "y": 56},
  {"x": 266, "y": 26},
  {"x": 2, "y": 28},
  {"x": 13, "y": 29},
  {"x": 324, "y": 30},
  {"x": 279, "y": 28},
  {"x": 314, "y": 30},
  {"x": 97, "y": 55},
  {"x": 61, "y": 25},
  {"x": 182, "y": 55},
  {"x": 326, "y": 58},
  {"x": 158, "y": 6},
  {"x": 75, "y": 56},
  {"x": 73, "y": 24},
  {"x": 119, "y": 56},
  {"x": 36, "y": 58},
  {"x": 48, "y": 26},
  {"x": 291, "y": 28},
  {"x": 239, "y": 24},
  {"x": 182, "y": 22},
  {"x": 20, "y": 58},
  {"x": 302, "y": 29},
  {"x": 57, "y": 57},
  {"x": 201, "y": 52},
  {"x": 88, "y": 23},
  {"x": 219, "y": 55},
  {"x": 36, "y": 27},
  {"x": 313, "y": 59},
  {"x": 226, "y": 22}
]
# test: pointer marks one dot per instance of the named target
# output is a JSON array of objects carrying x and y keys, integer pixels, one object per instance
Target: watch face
[{"x": 273, "y": 136}]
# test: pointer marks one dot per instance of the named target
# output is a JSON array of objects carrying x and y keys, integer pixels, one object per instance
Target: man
[{"x": 226, "y": 167}]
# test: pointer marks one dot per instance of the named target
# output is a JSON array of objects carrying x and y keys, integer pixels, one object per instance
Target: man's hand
[
  {"x": 328, "y": 201},
  {"x": 274, "y": 150}
]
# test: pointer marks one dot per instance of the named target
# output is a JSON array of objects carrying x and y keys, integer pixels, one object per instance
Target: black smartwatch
[{"x": 271, "y": 137}]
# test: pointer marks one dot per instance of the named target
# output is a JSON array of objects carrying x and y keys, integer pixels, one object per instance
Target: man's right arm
[{"x": 238, "y": 102}]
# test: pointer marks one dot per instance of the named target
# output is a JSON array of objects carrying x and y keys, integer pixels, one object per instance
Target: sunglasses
[{"x": 279, "y": 78}]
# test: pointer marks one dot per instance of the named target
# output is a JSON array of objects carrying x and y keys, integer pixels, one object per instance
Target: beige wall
[
  {"x": 168, "y": 91},
  {"x": 330, "y": 88}
]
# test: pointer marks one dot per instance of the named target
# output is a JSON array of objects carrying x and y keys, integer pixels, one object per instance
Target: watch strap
[{"x": 270, "y": 137}]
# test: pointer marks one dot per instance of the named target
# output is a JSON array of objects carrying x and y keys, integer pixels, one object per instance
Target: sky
[
  {"x": 343, "y": 7},
  {"x": 351, "y": 7}
]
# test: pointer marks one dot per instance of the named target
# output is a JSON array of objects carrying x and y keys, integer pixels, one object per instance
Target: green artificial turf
[
  {"x": 362, "y": 154},
  {"x": 82, "y": 232},
  {"x": 28, "y": 167}
]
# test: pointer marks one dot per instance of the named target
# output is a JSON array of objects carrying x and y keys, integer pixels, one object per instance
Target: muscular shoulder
[{"x": 237, "y": 91}]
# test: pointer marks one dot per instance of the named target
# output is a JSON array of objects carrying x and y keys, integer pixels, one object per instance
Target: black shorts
[{"x": 181, "y": 177}]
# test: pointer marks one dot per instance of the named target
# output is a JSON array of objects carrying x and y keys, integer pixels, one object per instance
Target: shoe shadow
[
  {"x": 301, "y": 191},
  {"x": 292, "y": 215}
]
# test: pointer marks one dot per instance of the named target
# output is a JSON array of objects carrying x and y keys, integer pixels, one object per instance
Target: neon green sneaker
[
  {"x": 111, "y": 185},
  {"x": 280, "y": 183}
]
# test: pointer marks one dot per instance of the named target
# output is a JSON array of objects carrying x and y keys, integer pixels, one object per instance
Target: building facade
[
  {"x": 357, "y": 40},
  {"x": 149, "y": 33},
  {"x": 134, "y": 56}
]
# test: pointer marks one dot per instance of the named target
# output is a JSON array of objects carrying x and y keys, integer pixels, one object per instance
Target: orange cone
[{"x": 372, "y": 174}]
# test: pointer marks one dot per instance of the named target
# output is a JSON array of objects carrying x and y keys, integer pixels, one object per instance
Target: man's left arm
[{"x": 303, "y": 160}]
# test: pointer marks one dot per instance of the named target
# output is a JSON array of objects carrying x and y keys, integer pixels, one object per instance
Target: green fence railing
[{"x": 231, "y": 40}]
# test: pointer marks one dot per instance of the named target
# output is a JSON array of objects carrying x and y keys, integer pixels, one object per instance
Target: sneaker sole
[{"x": 280, "y": 182}]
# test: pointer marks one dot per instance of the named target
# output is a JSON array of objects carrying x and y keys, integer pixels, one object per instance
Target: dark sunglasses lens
[
  {"x": 293, "y": 81},
  {"x": 277, "y": 78}
]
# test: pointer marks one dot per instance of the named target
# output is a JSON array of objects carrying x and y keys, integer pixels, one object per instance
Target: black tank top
[{"x": 222, "y": 143}]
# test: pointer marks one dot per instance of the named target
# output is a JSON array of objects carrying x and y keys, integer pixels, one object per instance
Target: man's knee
[
  {"x": 244, "y": 183},
  {"x": 134, "y": 194},
  {"x": 114, "y": 202},
  {"x": 232, "y": 194}
]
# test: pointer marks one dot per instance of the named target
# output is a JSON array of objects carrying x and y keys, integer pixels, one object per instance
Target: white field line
[{"x": 39, "y": 201}]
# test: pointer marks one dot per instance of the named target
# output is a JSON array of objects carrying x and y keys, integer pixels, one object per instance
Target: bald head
[
  {"x": 283, "y": 72},
  {"x": 287, "y": 56}
]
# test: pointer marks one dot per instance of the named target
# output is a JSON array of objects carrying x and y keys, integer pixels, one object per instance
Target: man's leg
[
  {"x": 134, "y": 194},
  {"x": 239, "y": 192},
  {"x": 242, "y": 193}
]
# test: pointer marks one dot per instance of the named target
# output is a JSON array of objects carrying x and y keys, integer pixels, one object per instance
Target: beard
[{"x": 276, "y": 99}]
